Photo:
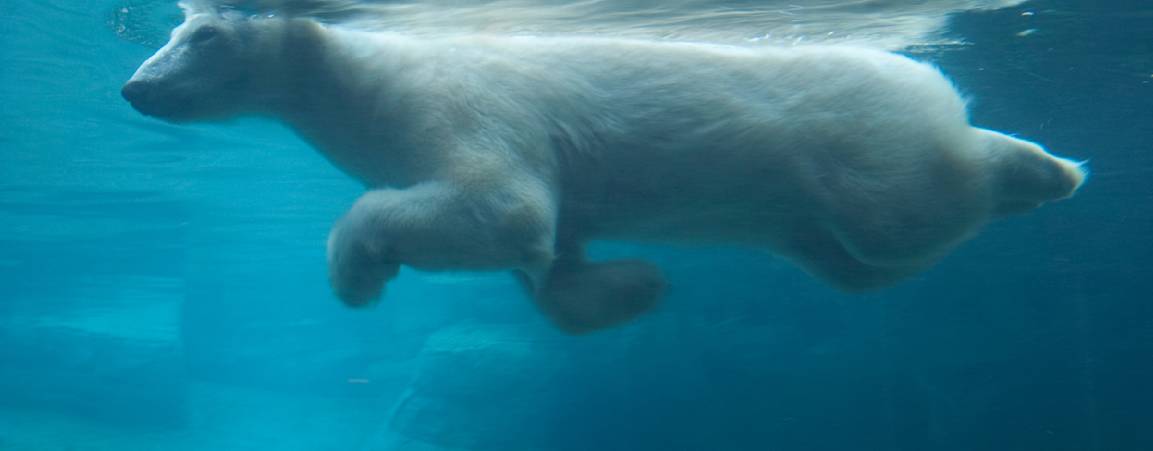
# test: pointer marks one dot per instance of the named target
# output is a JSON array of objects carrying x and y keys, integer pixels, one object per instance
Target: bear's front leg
[{"x": 439, "y": 226}]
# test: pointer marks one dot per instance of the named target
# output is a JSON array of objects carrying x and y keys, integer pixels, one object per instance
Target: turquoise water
[{"x": 163, "y": 287}]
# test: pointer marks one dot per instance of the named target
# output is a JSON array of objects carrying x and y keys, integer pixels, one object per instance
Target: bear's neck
[{"x": 335, "y": 89}]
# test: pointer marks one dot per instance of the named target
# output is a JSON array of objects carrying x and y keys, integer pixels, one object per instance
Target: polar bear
[{"x": 487, "y": 152}]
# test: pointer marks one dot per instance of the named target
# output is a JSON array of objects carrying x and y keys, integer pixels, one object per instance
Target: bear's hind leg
[{"x": 581, "y": 297}]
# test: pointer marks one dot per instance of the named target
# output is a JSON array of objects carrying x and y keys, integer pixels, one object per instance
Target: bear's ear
[{"x": 1025, "y": 176}]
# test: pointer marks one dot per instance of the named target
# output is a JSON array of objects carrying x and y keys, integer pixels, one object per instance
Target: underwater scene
[{"x": 538, "y": 225}]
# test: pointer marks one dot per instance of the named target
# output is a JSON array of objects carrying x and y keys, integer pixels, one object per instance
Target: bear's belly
[
  {"x": 718, "y": 192},
  {"x": 686, "y": 210},
  {"x": 737, "y": 228}
]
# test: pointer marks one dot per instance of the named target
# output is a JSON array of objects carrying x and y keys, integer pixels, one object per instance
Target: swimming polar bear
[{"x": 489, "y": 152}]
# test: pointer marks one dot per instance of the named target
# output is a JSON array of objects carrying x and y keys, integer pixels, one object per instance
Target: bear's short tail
[{"x": 1027, "y": 176}]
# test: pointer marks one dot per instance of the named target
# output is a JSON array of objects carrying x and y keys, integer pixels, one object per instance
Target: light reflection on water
[{"x": 886, "y": 24}]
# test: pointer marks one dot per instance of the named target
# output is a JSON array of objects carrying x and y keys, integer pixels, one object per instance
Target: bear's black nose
[{"x": 136, "y": 91}]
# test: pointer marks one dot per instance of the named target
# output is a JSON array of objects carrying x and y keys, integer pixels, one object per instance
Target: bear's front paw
[{"x": 358, "y": 267}]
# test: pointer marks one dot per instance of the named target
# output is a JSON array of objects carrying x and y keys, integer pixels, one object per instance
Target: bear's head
[{"x": 204, "y": 72}]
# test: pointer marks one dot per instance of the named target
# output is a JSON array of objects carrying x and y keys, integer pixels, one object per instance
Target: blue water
[{"x": 163, "y": 287}]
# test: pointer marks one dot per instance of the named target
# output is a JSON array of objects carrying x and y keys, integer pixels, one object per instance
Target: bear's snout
[
  {"x": 151, "y": 99},
  {"x": 139, "y": 93}
]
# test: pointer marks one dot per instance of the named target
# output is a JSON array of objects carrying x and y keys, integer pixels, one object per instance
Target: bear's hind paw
[{"x": 585, "y": 297}]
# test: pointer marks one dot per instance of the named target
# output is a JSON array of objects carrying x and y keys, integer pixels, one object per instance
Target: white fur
[{"x": 491, "y": 152}]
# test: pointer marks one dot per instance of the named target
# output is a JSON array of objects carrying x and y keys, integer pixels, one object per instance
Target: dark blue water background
[{"x": 163, "y": 287}]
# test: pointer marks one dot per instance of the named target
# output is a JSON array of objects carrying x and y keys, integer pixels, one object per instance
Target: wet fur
[{"x": 509, "y": 153}]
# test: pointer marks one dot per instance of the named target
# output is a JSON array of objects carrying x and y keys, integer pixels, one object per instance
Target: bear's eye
[{"x": 203, "y": 34}]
